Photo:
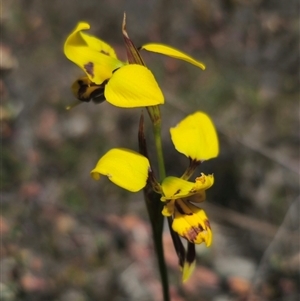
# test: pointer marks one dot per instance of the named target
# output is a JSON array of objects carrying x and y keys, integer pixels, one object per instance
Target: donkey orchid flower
[{"x": 123, "y": 84}]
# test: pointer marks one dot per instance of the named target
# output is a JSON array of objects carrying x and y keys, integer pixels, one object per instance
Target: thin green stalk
[
  {"x": 155, "y": 206},
  {"x": 155, "y": 116},
  {"x": 159, "y": 221},
  {"x": 158, "y": 244},
  {"x": 159, "y": 150}
]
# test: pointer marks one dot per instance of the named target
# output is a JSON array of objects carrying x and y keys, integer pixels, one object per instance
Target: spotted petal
[
  {"x": 172, "y": 52},
  {"x": 95, "y": 57},
  {"x": 196, "y": 137},
  {"x": 123, "y": 167},
  {"x": 192, "y": 223}
]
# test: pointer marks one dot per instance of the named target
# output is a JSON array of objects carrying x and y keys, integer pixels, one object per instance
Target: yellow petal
[
  {"x": 176, "y": 188},
  {"x": 133, "y": 86},
  {"x": 123, "y": 167},
  {"x": 172, "y": 52},
  {"x": 191, "y": 223},
  {"x": 203, "y": 182},
  {"x": 96, "y": 58},
  {"x": 196, "y": 137},
  {"x": 95, "y": 43}
]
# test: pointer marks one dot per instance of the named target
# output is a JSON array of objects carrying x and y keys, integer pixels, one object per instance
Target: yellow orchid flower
[
  {"x": 131, "y": 171},
  {"x": 186, "y": 219},
  {"x": 108, "y": 78},
  {"x": 123, "y": 85},
  {"x": 189, "y": 221}
]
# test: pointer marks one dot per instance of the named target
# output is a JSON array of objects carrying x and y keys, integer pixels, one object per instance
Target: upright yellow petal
[
  {"x": 172, "y": 52},
  {"x": 133, "y": 86},
  {"x": 123, "y": 167},
  {"x": 196, "y": 137},
  {"x": 95, "y": 43},
  {"x": 95, "y": 57}
]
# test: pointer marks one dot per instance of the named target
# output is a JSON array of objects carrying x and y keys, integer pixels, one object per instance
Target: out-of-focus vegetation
[{"x": 65, "y": 237}]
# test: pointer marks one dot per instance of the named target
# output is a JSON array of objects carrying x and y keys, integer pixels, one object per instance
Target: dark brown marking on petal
[
  {"x": 200, "y": 228},
  {"x": 178, "y": 191},
  {"x": 90, "y": 91},
  {"x": 104, "y": 52},
  {"x": 193, "y": 232},
  {"x": 180, "y": 210},
  {"x": 207, "y": 223},
  {"x": 89, "y": 68}
]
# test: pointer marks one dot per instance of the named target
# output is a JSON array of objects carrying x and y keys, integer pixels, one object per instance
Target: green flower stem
[
  {"x": 159, "y": 219},
  {"x": 154, "y": 113},
  {"x": 160, "y": 157},
  {"x": 155, "y": 206},
  {"x": 159, "y": 249}
]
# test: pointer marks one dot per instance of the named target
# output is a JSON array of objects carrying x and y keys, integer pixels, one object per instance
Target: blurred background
[{"x": 66, "y": 237}]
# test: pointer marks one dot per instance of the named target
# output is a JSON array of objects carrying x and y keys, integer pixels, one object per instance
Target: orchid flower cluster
[{"x": 131, "y": 84}]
